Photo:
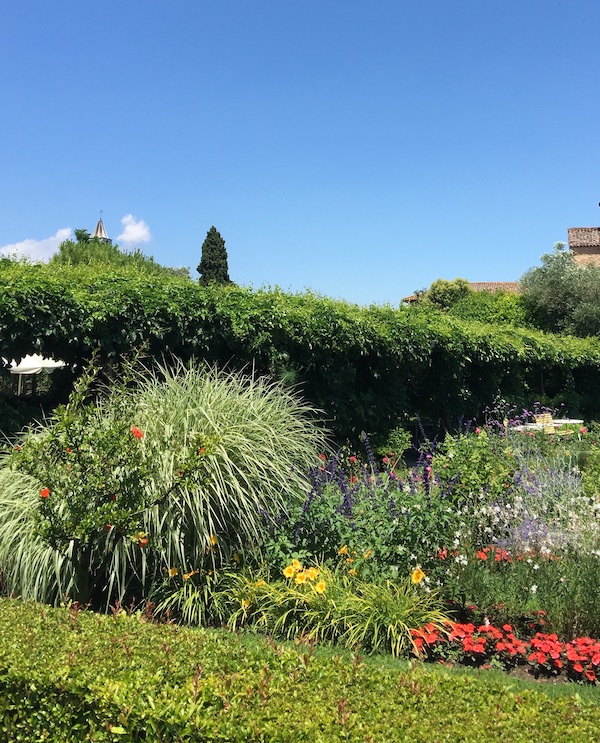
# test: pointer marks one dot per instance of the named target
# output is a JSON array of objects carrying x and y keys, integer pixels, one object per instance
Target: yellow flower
[
  {"x": 213, "y": 540},
  {"x": 367, "y": 554},
  {"x": 352, "y": 571},
  {"x": 289, "y": 571},
  {"x": 173, "y": 572},
  {"x": 260, "y": 583},
  {"x": 312, "y": 573},
  {"x": 320, "y": 587},
  {"x": 245, "y": 604},
  {"x": 187, "y": 576},
  {"x": 417, "y": 576},
  {"x": 349, "y": 560},
  {"x": 301, "y": 578},
  {"x": 343, "y": 550},
  {"x": 236, "y": 558},
  {"x": 296, "y": 564}
]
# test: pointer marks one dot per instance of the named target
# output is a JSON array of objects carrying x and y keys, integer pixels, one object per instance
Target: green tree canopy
[
  {"x": 213, "y": 263},
  {"x": 89, "y": 251},
  {"x": 82, "y": 236},
  {"x": 563, "y": 296},
  {"x": 443, "y": 293}
]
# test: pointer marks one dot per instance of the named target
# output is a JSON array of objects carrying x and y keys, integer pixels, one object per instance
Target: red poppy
[
  {"x": 136, "y": 432},
  {"x": 44, "y": 492}
]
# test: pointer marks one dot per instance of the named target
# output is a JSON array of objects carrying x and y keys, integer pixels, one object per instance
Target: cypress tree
[{"x": 213, "y": 263}]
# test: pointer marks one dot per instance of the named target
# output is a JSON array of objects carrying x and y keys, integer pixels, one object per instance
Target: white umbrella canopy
[{"x": 33, "y": 364}]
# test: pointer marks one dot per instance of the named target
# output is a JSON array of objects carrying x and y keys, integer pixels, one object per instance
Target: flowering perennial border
[{"x": 486, "y": 645}]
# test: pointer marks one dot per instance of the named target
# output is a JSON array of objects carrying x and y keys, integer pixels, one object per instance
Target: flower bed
[{"x": 486, "y": 645}]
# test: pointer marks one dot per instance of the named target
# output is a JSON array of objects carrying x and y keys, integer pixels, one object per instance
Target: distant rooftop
[
  {"x": 584, "y": 243},
  {"x": 483, "y": 286},
  {"x": 583, "y": 237}
]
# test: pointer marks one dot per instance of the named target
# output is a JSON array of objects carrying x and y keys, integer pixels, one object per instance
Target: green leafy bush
[
  {"x": 376, "y": 524},
  {"x": 472, "y": 464},
  {"x": 367, "y": 368},
  {"x": 493, "y": 308},
  {"x": 70, "y": 675},
  {"x": 173, "y": 468}
]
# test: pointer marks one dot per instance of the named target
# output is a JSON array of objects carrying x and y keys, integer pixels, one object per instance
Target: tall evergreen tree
[{"x": 213, "y": 263}]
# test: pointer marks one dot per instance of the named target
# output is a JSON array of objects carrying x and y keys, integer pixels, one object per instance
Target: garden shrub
[
  {"x": 375, "y": 524},
  {"x": 367, "y": 368},
  {"x": 493, "y": 308},
  {"x": 471, "y": 464},
  {"x": 174, "y": 468},
  {"x": 67, "y": 674}
]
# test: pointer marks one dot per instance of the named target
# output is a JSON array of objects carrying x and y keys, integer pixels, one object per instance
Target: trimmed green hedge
[
  {"x": 69, "y": 675},
  {"x": 367, "y": 368}
]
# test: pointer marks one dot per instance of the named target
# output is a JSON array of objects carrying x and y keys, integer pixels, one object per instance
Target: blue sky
[{"x": 359, "y": 149}]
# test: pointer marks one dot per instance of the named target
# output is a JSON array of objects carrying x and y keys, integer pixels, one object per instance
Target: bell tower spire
[{"x": 100, "y": 232}]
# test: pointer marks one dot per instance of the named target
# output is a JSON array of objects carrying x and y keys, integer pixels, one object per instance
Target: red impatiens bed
[{"x": 486, "y": 645}]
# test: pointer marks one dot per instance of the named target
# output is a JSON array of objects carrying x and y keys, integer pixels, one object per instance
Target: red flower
[
  {"x": 136, "y": 432},
  {"x": 482, "y": 555},
  {"x": 143, "y": 542},
  {"x": 44, "y": 492},
  {"x": 322, "y": 457},
  {"x": 352, "y": 460}
]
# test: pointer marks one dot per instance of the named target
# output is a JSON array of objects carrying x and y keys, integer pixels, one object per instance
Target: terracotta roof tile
[{"x": 483, "y": 286}]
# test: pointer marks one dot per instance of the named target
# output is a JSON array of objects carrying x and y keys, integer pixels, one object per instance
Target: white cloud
[
  {"x": 136, "y": 231},
  {"x": 36, "y": 250}
]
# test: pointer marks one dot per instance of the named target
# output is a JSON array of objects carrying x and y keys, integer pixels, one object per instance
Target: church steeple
[{"x": 100, "y": 233}]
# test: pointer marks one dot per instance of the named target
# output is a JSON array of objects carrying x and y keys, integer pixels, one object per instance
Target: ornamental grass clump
[{"x": 173, "y": 468}]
